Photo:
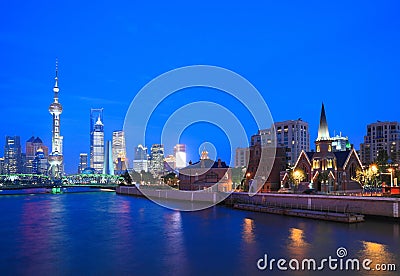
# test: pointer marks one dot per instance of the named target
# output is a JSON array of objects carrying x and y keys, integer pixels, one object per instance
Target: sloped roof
[
  {"x": 208, "y": 163},
  {"x": 38, "y": 140},
  {"x": 310, "y": 154},
  {"x": 341, "y": 157}
]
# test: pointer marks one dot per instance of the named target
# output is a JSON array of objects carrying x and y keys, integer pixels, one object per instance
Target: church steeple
[{"x": 323, "y": 131}]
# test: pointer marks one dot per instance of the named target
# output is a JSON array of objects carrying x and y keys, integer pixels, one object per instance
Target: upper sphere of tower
[{"x": 55, "y": 108}]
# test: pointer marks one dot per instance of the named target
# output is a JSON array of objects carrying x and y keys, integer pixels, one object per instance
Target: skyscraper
[
  {"x": 83, "y": 162},
  {"x": 180, "y": 156},
  {"x": 97, "y": 146},
  {"x": 157, "y": 159},
  {"x": 2, "y": 165},
  {"x": 340, "y": 143},
  {"x": 242, "y": 157},
  {"x": 12, "y": 155},
  {"x": 294, "y": 135},
  {"x": 170, "y": 163},
  {"x": 40, "y": 162},
  {"x": 32, "y": 146},
  {"x": 96, "y": 114},
  {"x": 140, "y": 160},
  {"x": 381, "y": 137},
  {"x": 56, "y": 155},
  {"x": 118, "y": 149}
]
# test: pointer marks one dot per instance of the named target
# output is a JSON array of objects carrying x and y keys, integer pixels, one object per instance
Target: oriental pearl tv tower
[{"x": 56, "y": 157}]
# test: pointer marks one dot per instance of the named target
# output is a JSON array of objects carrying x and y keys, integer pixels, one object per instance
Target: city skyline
[{"x": 344, "y": 64}]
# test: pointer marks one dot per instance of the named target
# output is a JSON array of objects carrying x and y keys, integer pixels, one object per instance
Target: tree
[
  {"x": 323, "y": 177},
  {"x": 296, "y": 176},
  {"x": 367, "y": 177},
  {"x": 238, "y": 175},
  {"x": 171, "y": 179},
  {"x": 127, "y": 178},
  {"x": 382, "y": 158}
]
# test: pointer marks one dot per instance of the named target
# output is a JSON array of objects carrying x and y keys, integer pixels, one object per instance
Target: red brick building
[
  {"x": 268, "y": 172},
  {"x": 204, "y": 174}
]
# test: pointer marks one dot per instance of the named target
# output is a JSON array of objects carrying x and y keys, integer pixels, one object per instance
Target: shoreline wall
[{"x": 374, "y": 206}]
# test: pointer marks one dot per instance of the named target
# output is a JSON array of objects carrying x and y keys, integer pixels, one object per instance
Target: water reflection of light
[
  {"x": 248, "y": 230},
  {"x": 396, "y": 230},
  {"x": 174, "y": 238},
  {"x": 297, "y": 245},
  {"x": 377, "y": 252},
  {"x": 41, "y": 225}
]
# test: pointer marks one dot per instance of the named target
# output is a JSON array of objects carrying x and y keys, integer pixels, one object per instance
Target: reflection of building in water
[
  {"x": 396, "y": 231},
  {"x": 298, "y": 247},
  {"x": 378, "y": 253},
  {"x": 248, "y": 230}
]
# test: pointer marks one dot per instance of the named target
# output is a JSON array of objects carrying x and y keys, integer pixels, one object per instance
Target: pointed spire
[
  {"x": 56, "y": 89},
  {"x": 323, "y": 132},
  {"x": 99, "y": 121}
]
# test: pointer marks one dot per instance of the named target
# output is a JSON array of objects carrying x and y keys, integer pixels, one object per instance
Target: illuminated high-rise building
[
  {"x": 381, "y": 138},
  {"x": 295, "y": 136},
  {"x": 97, "y": 146},
  {"x": 140, "y": 160},
  {"x": 242, "y": 157},
  {"x": 340, "y": 143},
  {"x": 96, "y": 114},
  {"x": 170, "y": 163},
  {"x": 157, "y": 159},
  {"x": 12, "y": 155},
  {"x": 2, "y": 165},
  {"x": 31, "y": 147},
  {"x": 180, "y": 156},
  {"x": 40, "y": 162},
  {"x": 83, "y": 162},
  {"x": 56, "y": 155},
  {"x": 118, "y": 149}
]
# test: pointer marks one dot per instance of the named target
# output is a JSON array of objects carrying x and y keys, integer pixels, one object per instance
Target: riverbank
[{"x": 369, "y": 206}]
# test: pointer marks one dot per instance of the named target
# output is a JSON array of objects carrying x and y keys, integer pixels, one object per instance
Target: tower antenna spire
[{"x": 56, "y": 67}]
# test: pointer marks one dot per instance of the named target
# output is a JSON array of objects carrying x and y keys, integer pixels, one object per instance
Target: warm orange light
[
  {"x": 390, "y": 169},
  {"x": 374, "y": 168}
]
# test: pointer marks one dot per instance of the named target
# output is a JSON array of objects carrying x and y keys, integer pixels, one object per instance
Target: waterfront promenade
[{"x": 370, "y": 206}]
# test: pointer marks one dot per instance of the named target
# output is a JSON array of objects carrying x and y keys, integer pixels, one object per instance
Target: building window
[
  {"x": 318, "y": 148},
  {"x": 329, "y": 164}
]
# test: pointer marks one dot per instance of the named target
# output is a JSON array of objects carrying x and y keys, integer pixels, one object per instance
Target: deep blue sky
[{"x": 345, "y": 53}]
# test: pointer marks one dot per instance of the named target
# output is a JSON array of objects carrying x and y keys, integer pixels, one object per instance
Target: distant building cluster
[{"x": 331, "y": 166}]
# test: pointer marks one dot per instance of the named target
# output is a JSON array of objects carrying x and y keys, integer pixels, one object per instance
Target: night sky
[{"x": 298, "y": 55}]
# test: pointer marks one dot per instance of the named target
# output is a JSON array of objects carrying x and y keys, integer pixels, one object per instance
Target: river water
[{"x": 101, "y": 233}]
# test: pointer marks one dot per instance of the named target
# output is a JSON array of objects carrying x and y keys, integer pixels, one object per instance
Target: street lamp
[
  {"x": 391, "y": 170},
  {"x": 247, "y": 180},
  {"x": 374, "y": 169}
]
